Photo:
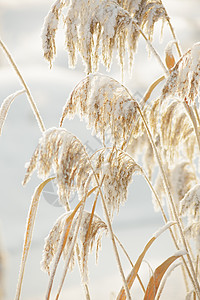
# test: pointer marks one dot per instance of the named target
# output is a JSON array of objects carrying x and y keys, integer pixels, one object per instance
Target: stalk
[
  {"x": 73, "y": 243},
  {"x": 132, "y": 265},
  {"x": 173, "y": 207},
  {"x": 30, "y": 98},
  {"x": 153, "y": 50},
  {"x": 111, "y": 233}
]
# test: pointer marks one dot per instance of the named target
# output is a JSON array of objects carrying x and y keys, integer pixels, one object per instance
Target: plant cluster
[{"x": 165, "y": 130}]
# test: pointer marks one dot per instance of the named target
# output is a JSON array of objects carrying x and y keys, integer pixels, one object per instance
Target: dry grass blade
[
  {"x": 156, "y": 278},
  {"x": 29, "y": 96},
  {"x": 169, "y": 57},
  {"x": 134, "y": 272},
  {"x": 151, "y": 89},
  {"x": 29, "y": 232},
  {"x": 166, "y": 276},
  {"x": 5, "y": 107}
]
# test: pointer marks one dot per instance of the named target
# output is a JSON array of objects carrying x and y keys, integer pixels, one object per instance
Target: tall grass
[{"x": 165, "y": 130}]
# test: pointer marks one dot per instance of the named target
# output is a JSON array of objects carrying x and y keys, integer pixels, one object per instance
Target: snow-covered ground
[{"x": 20, "y": 27}]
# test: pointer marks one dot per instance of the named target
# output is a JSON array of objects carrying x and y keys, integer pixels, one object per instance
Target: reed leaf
[
  {"x": 134, "y": 272},
  {"x": 5, "y": 107},
  {"x": 158, "y": 274},
  {"x": 29, "y": 232}
]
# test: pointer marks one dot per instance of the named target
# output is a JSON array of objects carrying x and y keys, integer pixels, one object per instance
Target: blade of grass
[
  {"x": 5, "y": 107},
  {"x": 29, "y": 232},
  {"x": 134, "y": 272},
  {"x": 156, "y": 278},
  {"x": 30, "y": 98}
]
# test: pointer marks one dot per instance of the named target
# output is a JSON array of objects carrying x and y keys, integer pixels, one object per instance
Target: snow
[
  {"x": 161, "y": 230},
  {"x": 21, "y": 23}
]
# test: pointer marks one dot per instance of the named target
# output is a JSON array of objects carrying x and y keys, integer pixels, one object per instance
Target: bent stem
[
  {"x": 132, "y": 265},
  {"x": 172, "y": 204},
  {"x": 153, "y": 50},
  {"x": 173, "y": 33},
  {"x": 30, "y": 98}
]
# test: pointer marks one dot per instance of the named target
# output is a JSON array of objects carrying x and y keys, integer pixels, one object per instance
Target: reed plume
[
  {"x": 60, "y": 151},
  {"x": 105, "y": 104},
  {"x": 183, "y": 81},
  {"x": 89, "y": 234},
  {"x": 100, "y": 27}
]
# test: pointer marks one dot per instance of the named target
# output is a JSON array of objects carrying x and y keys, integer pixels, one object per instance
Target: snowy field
[{"x": 20, "y": 28}]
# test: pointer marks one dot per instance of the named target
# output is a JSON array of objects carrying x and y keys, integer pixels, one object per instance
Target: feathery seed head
[
  {"x": 183, "y": 81},
  {"x": 60, "y": 150},
  {"x": 118, "y": 172},
  {"x": 99, "y": 27},
  {"x": 105, "y": 104},
  {"x": 190, "y": 206},
  {"x": 96, "y": 228}
]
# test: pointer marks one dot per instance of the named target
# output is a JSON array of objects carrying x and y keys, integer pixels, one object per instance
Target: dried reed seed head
[
  {"x": 149, "y": 160},
  {"x": 166, "y": 121},
  {"x": 160, "y": 190},
  {"x": 105, "y": 104},
  {"x": 136, "y": 145},
  {"x": 154, "y": 116},
  {"x": 61, "y": 151},
  {"x": 182, "y": 178},
  {"x": 152, "y": 13},
  {"x": 107, "y": 28},
  {"x": 180, "y": 127},
  {"x": 175, "y": 127},
  {"x": 91, "y": 230},
  {"x": 49, "y": 30},
  {"x": 190, "y": 206},
  {"x": 51, "y": 244},
  {"x": 193, "y": 231},
  {"x": 94, "y": 25},
  {"x": 118, "y": 172},
  {"x": 183, "y": 81},
  {"x": 190, "y": 145},
  {"x": 130, "y": 5}
]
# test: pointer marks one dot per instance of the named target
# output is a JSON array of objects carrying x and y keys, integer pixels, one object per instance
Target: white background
[{"x": 20, "y": 28}]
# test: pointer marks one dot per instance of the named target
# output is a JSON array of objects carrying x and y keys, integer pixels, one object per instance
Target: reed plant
[{"x": 165, "y": 130}]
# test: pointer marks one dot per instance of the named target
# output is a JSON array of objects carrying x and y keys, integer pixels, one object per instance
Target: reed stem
[{"x": 30, "y": 98}]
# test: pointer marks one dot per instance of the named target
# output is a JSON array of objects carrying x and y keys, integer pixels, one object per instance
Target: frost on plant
[
  {"x": 118, "y": 172},
  {"x": 61, "y": 151},
  {"x": 190, "y": 206},
  {"x": 183, "y": 81},
  {"x": 105, "y": 104},
  {"x": 96, "y": 28},
  {"x": 90, "y": 232}
]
